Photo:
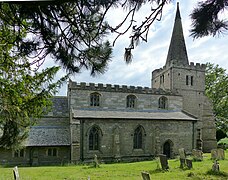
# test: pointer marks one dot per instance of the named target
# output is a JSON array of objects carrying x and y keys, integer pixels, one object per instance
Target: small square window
[
  {"x": 19, "y": 153},
  {"x": 52, "y": 152}
]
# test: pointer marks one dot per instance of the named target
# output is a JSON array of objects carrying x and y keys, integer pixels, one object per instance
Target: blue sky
[{"x": 152, "y": 55}]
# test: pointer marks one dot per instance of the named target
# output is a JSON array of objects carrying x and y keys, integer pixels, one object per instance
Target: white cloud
[{"x": 152, "y": 55}]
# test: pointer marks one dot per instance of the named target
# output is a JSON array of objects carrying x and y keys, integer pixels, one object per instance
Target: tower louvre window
[
  {"x": 187, "y": 80},
  {"x": 191, "y": 80},
  {"x": 162, "y": 79}
]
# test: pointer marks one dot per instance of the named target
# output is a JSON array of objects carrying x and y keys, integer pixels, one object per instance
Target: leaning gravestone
[
  {"x": 221, "y": 154},
  {"x": 197, "y": 155},
  {"x": 182, "y": 157},
  {"x": 164, "y": 162},
  {"x": 16, "y": 173},
  {"x": 214, "y": 154},
  {"x": 189, "y": 163},
  {"x": 145, "y": 176},
  {"x": 96, "y": 163},
  {"x": 217, "y": 154},
  {"x": 182, "y": 153}
]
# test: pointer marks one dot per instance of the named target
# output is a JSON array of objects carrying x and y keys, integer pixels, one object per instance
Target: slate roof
[
  {"x": 60, "y": 106},
  {"x": 48, "y": 136},
  {"x": 149, "y": 115}
]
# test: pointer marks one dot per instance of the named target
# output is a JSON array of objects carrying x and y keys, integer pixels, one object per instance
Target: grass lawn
[{"x": 120, "y": 171}]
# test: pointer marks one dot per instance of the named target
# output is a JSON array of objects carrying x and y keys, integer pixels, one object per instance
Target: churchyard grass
[{"x": 121, "y": 171}]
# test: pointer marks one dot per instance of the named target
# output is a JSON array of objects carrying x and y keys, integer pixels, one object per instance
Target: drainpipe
[
  {"x": 193, "y": 134},
  {"x": 82, "y": 140}
]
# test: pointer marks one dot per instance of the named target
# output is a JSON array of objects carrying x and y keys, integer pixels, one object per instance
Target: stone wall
[
  {"x": 35, "y": 156},
  {"x": 180, "y": 133},
  {"x": 115, "y": 98}
]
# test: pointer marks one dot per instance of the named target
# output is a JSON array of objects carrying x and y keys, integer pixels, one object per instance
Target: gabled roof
[
  {"x": 148, "y": 115},
  {"x": 177, "y": 53}
]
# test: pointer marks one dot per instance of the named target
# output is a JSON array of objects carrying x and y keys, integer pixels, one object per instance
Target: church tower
[{"x": 188, "y": 80}]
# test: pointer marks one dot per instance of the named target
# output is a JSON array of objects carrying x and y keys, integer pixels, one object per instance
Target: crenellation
[
  {"x": 116, "y": 86},
  {"x": 197, "y": 65},
  {"x": 108, "y": 87},
  {"x": 203, "y": 66},
  {"x": 119, "y": 88},
  {"x": 132, "y": 87},
  {"x": 124, "y": 87},
  {"x": 82, "y": 84},
  {"x": 100, "y": 85}
]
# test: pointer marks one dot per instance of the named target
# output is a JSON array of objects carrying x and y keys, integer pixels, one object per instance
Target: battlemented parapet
[
  {"x": 191, "y": 66},
  {"x": 118, "y": 88}
]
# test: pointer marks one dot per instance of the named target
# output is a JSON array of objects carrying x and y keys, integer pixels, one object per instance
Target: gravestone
[
  {"x": 221, "y": 154},
  {"x": 217, "y": 154},
  {"x": 164, "y": 161},
  {"x": 182, "y": 163},
  {"x": 96, "y": 163},
  {"x": 16, "y": 173},
  {"x": 197, "y": 155},
  {"x": 189, "y": 163},
  {"x": 145, "y": 176},
  {"x": 215, "y": 166},
  {"x": 214, "y": 154},
  {"x": 182, "y": 157},
  {"x": 182, "y": 153}
]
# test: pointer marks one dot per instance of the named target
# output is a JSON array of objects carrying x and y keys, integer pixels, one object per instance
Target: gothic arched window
[
  {"x": 131, "y": 101},
  {"x": 95, "y": 99},
  {"x": 163, "y": 103},
  {"x": 94, "y": 138},
  {"x": 138, "y": 138}
]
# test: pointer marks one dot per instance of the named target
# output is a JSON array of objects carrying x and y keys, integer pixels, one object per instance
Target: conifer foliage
[
  {"x": 206, "y": 20},
  {"x": 25, "y": 91}
]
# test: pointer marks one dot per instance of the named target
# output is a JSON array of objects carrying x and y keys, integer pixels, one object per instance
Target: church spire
[{"x": 177, "y": 53}]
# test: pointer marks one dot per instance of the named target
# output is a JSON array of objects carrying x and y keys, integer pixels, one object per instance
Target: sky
[{"x": 151, "y": 55}]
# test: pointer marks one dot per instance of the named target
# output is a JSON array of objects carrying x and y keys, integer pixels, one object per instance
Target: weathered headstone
[
  {"x": 16, "y": 173},
  {"x": 221, "y": 154},
  {"x": 189, "y": 163},
  {"x": 164, "y": 161},
  {"x": 214, "y": 154},
  {"x": 182, "y": 163},
  {"x": 96, "y": 163},
  {"x": 215, "y": 166},
  {"x": 182, "y": 153},
  {"x": 145, "y": 176},
  {"x": 197, "y": 155},
  {"x": 217, "y": 154},
  {"x": 182, "y": 157}
]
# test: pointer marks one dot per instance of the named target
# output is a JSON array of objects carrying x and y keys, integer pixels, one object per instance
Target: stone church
[{"x": 126, "y": 123}]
